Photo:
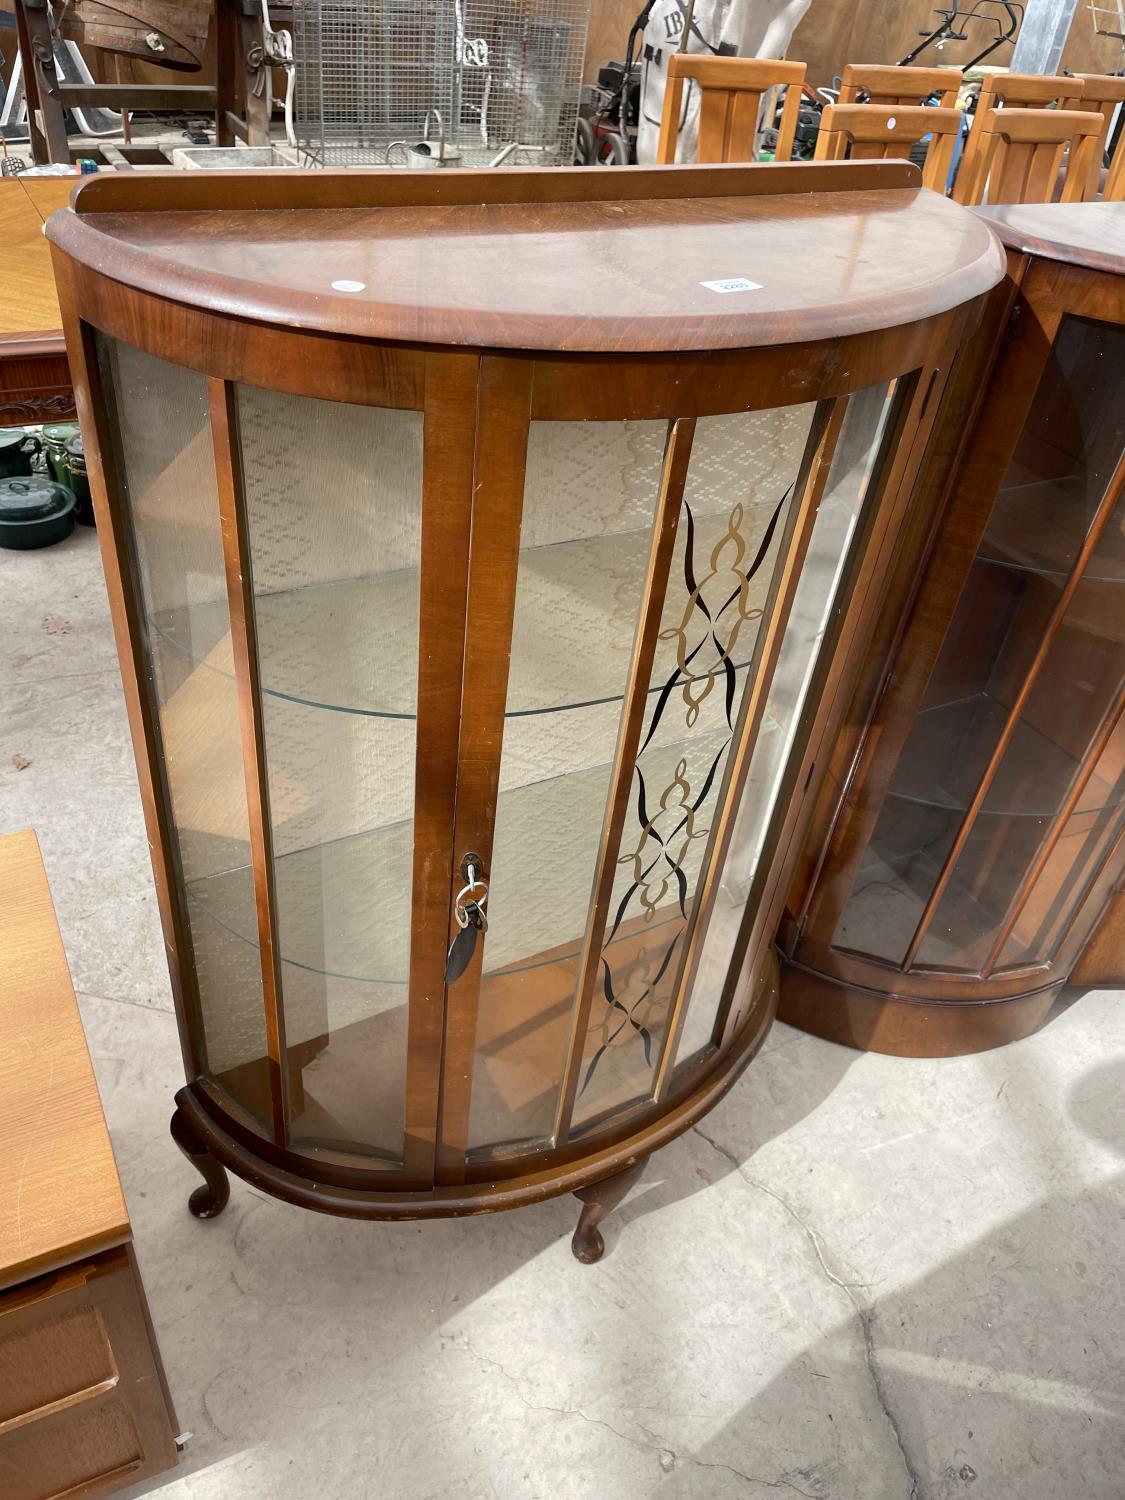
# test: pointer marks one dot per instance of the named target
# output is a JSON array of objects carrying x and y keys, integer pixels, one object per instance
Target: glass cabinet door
[{"x": 1010, "y": 793}]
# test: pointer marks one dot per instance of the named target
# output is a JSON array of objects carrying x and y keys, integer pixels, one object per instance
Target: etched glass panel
[
  {"x": 735, "y": 509},
  {"x": 170, "y": 500},
  {"x": 815, "y": 611}
]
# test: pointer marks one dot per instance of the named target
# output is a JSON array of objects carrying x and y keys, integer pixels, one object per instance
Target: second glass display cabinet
[
  {"x": 981, "y": 832},
  {"x": 489, "y": 556}
]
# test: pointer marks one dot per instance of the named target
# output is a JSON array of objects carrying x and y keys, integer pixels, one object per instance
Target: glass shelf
[
  {"x": 949, "y": 749},
  {"x": 337, "y": 916},
  {"x": 1039, "y": 527},
  {"x": 889, "y": 896},
  {"x": 351, "y": 647}
]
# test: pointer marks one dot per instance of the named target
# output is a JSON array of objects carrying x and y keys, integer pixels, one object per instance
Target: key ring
[{"x": 467, "y": 890}]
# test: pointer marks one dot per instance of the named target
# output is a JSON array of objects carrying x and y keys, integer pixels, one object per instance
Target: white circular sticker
[{"x": 349, "y": 286}]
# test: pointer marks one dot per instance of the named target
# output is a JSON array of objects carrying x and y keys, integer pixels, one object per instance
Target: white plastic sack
[{"x": 742, "y": 28}]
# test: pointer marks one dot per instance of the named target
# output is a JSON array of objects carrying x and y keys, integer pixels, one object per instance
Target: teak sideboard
[
  {"x": 490, "y": 557},
  {"x": 84, "y": 1407}
]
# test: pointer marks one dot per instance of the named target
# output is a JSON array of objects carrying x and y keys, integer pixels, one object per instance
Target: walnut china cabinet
[
  {"x": 971, "y": 833},
  {"x": 489, "y": 556}
]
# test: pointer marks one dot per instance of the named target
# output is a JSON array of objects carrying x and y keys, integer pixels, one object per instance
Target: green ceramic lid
[{"x": 59, "y": 433}]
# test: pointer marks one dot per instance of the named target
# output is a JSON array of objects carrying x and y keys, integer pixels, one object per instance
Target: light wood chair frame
[
  {"x": 866, "y": 131},
  {"x": 1006, "y": 91},
  {"x": 883, "y": 84},
  {"x": 731, "y": 91},
  {"x": 1113, "y": 189},
  {"x": 1020, "y": 152},
  {"x": 1103, "y": 92}
]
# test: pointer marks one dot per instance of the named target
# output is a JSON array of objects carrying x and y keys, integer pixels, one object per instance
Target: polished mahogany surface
[
  {"x": 626, "y": 260},
  {"x": 1078, "y": 234}
]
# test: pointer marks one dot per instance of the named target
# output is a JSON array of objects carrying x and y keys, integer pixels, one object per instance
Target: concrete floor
[{"x": 859, "y": 1278}]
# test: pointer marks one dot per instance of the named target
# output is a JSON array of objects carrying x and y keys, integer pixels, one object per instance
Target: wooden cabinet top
[
  {"x": 28, "y": 303},
  {"x": 1079, "y": 234},
  {"x": 60, "y": 1196},
  {"x": 614, "y": 260}
]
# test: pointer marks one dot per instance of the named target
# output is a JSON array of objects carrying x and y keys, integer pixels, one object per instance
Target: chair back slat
[{"x": 1024, "y": 90}]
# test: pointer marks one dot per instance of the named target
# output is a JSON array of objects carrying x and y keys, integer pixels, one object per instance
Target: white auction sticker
[
  {"x": 733, "y": 284},
  {"x": 349, "y": 286}
]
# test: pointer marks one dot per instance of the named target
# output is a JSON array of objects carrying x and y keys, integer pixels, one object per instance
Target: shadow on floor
[
  {"x": 773, "y": 1099},
  {"x": 996, "y": 1376}
]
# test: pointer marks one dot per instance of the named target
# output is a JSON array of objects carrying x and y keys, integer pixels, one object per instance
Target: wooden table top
[
  {"x": 60, "y": 1196},
  {"x": 1079, "y": 234},
  {"x": 621, "y": 260},
  {"x": 29, "y": 307}
]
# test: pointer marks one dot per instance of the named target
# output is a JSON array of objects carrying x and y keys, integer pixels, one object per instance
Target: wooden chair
[
  {"x": 863, "y": 131},
  {"x": 1006, "y": 91},
  {"x": 731, "y": 90},
  {"x": 1024, "y": 91},
  {"x": 1103, "y": 92},
  {"x": 1113, "y": 189},
  {"x": 1020, "y": 151},
  {"x": 886, "y": 85}
]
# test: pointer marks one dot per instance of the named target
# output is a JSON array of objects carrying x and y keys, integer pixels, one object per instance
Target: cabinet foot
[
  {"x": 599, "y": 1200},
  {"x": 206, "y": 1202}
]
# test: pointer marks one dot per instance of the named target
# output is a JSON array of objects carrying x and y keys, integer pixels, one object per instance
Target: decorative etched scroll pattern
[{"x": 672, "y": 825}]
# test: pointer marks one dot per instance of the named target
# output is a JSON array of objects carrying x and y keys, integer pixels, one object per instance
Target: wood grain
[
  {"x": 34, "y": 380},
  {"x": 902, "y": 254},
  {"x": 28, "y": 302},
  {"x": 60, "y": 1195},
  {"x": 880, "y": 83},
  {"x": 1077, "y": 234},
  {"x": 1102, "y": 961},
  {"x": 84, "y": 1407}
]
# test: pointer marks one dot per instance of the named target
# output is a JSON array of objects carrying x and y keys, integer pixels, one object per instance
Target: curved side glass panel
[{"x": 169, "y": 499}]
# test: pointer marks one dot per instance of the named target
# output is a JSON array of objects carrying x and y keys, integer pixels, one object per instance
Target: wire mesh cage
[{"x": 480, "y": 81}]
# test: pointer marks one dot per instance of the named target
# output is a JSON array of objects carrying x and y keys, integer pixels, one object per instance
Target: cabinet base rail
[{"x": 600, "y": 1178}]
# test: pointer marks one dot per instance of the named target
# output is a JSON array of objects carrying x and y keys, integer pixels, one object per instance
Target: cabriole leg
[
  {"x": 598, "y": 1200},
  {"x": 210, "y": 1200}
]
